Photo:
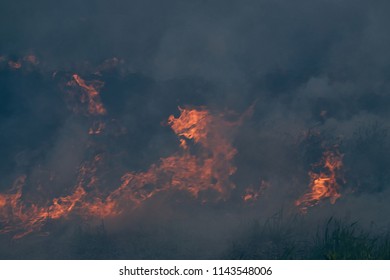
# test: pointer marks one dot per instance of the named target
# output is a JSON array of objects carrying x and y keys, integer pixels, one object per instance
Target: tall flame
[{"x": 325, "y": 183}]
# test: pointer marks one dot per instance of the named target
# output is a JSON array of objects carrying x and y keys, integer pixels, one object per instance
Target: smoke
[{"x": 314, "y": 72}]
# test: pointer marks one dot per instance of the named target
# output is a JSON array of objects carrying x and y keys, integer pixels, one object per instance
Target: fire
[
  {"x": 323, "y": 184},
  {"x": 64, "y": 205},
  {"x": 90, "y": 94},
  {"x": 209, "y": 169},
  {"x": 96, "y": 128},
  {"x": 13, "y": 212},
  {"x": 201, "y": 167},
  {"x": 24, "y": 218},
  {"x": 20, "y": 63},
  {"x": 99, "y": 208},
  {"x": 253, "y": 194},
  {"x": 3, "y": 201},
  {"x": 192, "y": 124},
  {"x": 31, "y": 59},
  {"x": 14, "y": 64},
  {"x": 202, "y": 163}
]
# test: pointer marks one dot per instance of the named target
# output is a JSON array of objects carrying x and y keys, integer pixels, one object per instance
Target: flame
[
  {"x": 24, "y": 218},
  {"x": 14, "y": 215},
  {"x": 192, "y": 124},
  {"x": 253, "y": 194},
  {"x": 217, "y": 153},
  {"x": 90, "y": 94},
  {"x": 207, "y": 169},
  {"x": 201, "y": 167},
  {"x": 210, "y": 169},
  {"x": 323, "y": 184}
]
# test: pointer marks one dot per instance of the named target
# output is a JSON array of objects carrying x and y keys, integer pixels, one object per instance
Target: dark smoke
[{"x": 316, "y": 72}]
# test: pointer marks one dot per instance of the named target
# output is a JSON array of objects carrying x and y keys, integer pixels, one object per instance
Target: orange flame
[
  {"x": 17, "y": 216},
  {"x": 252, "y": 194},
  {"x": 192, "y": 124},
  {"x": 324, "y": 184},
  {"x": 26, "y": 218},
  {"x": 208, "y": 170},
  {"x": 90, "y": 94}
]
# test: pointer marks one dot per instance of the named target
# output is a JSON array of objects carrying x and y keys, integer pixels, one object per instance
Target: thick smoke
[{"x": 314, "y": 72}]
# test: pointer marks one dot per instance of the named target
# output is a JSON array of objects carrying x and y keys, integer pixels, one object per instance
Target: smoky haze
[{"x": 315, "y": 74}]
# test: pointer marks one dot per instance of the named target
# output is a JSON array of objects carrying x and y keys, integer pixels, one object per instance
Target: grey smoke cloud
[{"x": 310, "y": 66}]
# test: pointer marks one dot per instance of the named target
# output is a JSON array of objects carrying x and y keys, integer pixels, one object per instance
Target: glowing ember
[
  {"x": 31, "y": 59},
  {"x": 3, "y": 201},
  {"x": 96, "y": 128},
  {"x": 324, "y": 184},
  {"x": 14, "y": 64}
]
